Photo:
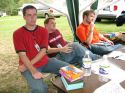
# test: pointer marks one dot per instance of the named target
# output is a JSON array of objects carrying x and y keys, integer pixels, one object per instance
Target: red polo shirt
[{"x": 25, "y": 40}]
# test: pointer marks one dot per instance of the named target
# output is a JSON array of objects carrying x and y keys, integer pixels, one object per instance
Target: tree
[
  {"x": 8, "y": 6},
  {"x": 24, "y": 1},
  {"x": 11, "y": 6}
]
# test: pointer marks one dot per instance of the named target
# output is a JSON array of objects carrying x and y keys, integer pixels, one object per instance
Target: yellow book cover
[{"x": 71, "y": 73}]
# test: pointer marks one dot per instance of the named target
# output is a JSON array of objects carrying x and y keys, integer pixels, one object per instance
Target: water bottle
[
  {"x": 104, "y": 69},
  {"x": 87, "y": 64}
]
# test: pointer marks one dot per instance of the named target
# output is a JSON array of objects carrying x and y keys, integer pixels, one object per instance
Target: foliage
[
  {"x": 7, "y": 6},
  {"x": 11, "y": 6},
  {"x": 21, "y": 2}
]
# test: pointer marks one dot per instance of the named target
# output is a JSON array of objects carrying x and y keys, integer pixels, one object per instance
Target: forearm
[
  {"x": 107, "y": 40},
  {"x": 39, "y": 56},
  {"x": 53, "y": 50},
  {"x": 89, "y": 38},
  {"x": 90, "y": 34},
  {"x": 27, "y": 63},
  {"x": 103, "y": 38},
  {"x": 34, "y": 60}
]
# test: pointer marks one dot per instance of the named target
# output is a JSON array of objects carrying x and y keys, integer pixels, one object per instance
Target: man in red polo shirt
[{"x": 31, "y": 42}]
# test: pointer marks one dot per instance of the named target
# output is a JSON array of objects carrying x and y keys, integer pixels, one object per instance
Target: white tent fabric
[{"x": 61, "y": 6}]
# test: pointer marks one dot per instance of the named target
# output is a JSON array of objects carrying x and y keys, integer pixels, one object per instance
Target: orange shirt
[{"x": 82, "y": 33}]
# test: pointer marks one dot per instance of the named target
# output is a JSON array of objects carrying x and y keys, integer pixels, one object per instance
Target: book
[
  {"x": 73, "y": 85},
  {"x": 71, "y": 73},
  {"x": 76, "y": 81}
]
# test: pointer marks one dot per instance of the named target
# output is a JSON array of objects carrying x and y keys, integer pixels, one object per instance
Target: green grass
[
  {"x": 108, "y": 26},
  {"x": 10, "y": 79}
]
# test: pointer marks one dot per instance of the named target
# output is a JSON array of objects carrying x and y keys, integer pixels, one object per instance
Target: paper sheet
[
  {"x": 123, "y": 48},
  {"x": 115, "y": 72},
  {"x": 110, "y": 87},
  {"x": 117, "y": 55},
  {"x": 121, "y": 57}
]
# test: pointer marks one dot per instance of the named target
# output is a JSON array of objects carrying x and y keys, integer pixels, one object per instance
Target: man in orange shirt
[{"x": 88, "y": 34}]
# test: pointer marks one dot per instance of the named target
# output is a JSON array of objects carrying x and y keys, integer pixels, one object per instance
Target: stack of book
[{"x": 72, "y": 77}]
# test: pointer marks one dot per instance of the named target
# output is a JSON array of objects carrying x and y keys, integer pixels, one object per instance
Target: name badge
[
  {"x": 59, "y": 46},
  {"x": 37, "y": 47}
]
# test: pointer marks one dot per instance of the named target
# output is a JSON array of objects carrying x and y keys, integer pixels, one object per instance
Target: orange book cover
[{"x": 71, "y": 73}]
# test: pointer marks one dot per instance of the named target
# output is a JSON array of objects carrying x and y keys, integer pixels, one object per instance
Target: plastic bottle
[
  {"x": 87, "y": 64},
  {"x": 104, "y": 69}
]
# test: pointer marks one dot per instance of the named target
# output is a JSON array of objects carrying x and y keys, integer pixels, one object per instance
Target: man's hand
[
  {"x": 66, "y": 49},
  {"x": 22, "y": 68},
  {"x": 37, "y": 75},
  {"x": 89, "y": 38},
  {"x": 110, "y": 42}
]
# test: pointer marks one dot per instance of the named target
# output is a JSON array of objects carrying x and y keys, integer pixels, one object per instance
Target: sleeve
[
  {"x": 44, "y": 39},
  {"x": 80, "y": 32},
  {"x": 18, "y": 43}
]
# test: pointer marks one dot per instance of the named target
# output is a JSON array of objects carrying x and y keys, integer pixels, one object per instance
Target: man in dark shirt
[{"x": 71, "y": 52}]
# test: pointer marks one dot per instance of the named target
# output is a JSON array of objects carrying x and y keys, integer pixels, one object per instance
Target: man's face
[
  {"x": 30, "y": 17},
  {"x": 90, "y": 18},
  {"x": 51, "y": 24}
]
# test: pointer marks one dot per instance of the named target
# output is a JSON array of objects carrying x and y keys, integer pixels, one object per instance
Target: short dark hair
[
  {"x": 87, "y": 12},
  {"x": 46, "y": 21},
  {"x": 28, "y": 7}
]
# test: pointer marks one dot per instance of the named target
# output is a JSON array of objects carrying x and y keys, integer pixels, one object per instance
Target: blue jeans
[
  {"x": 75, "y": 57},
  {"x": 103, "y": 49},
  {"x": 37, "y": 85}
]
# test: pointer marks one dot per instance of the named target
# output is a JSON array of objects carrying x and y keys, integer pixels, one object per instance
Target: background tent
[
  {"x": 70, "y": 8},
  {"x": 73, "y": 9}
]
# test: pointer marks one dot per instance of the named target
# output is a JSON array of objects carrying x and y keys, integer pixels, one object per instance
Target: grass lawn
[
  {"x": 108, "y": 26},
  {"x": 10, "y": 79}
]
